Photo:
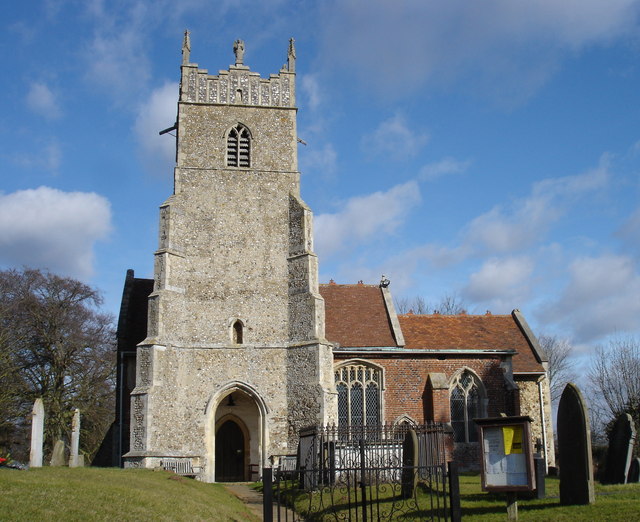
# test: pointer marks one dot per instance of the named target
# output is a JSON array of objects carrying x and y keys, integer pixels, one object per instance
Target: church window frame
[
  {"x": 360, "y": 387},
  {"x": 467, "y": 400},
  {"x": 238, "y": 146}
]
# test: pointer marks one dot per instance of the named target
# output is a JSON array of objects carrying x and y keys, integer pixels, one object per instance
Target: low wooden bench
[{"x": 181, "y": 467}]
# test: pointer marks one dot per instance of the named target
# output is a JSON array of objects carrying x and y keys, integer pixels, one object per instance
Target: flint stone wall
[{"x": 530, "y": 405}]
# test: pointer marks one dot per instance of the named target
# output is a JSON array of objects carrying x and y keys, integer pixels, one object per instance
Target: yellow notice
[{"x": 512, "y": 436}]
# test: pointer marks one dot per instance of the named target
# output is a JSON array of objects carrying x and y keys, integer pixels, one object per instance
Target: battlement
[{"x": 238, "y": 85}]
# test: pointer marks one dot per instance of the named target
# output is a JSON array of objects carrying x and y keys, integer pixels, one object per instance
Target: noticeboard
[{"x": 507, "y": 456}]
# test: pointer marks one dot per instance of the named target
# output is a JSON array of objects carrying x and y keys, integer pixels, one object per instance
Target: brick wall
[{"x": 407, "y": 391}]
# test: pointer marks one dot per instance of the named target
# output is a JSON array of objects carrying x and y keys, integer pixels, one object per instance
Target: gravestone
[
  {"x": 621, "y": 441},
  {"x": 409, "y": 464},
  {"x": 574, "y": 448},
  {"x": 74, "y": 459},
  {"x": 37, "y": 434},
  {"x": 634, "y": 471},
  {"x": 57, "y": 457}
]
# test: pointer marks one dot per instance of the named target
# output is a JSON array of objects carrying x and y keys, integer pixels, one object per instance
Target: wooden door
[{"x": 230, "y": 453}]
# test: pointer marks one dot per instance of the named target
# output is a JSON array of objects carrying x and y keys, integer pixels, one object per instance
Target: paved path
[
  {"x": 248, "y": 495},
  {"x": 253, "y": 500}
]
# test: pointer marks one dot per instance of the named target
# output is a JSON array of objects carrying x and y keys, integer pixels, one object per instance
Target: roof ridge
[
  {"x": 410, "y": 314},
  {"x": 356, "y": 285}
]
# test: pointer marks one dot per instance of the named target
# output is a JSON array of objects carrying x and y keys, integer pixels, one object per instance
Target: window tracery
[
  {"x": 239, "y": 146},
  {"x": 467, "y": 403},
  {"x": 359, "y": 395}
]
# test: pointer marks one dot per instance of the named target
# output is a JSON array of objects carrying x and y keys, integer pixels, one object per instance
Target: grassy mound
[{"x": 114, "y": 494}]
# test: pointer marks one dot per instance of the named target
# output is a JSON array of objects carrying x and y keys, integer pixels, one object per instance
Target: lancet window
[{"x": 237, "y": 332}]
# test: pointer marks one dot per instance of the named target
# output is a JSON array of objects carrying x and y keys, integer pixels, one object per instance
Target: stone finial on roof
[
  {"x": 186, "y": 47},
  {"x": 384, "y": 282},
  {"x": 238, "y": 50},
  {"x": 332, "y": 282},
  {"x": 291, "y": 56}
]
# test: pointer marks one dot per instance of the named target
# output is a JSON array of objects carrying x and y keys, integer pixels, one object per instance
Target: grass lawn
[
  {"x": 53, "y": 494},
  {"x": 621, "y": 502},
  {"x": 618, "y": 502}
]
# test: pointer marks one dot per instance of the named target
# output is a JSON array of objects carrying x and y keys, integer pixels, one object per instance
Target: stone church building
[{"x": 234, "y": 346}]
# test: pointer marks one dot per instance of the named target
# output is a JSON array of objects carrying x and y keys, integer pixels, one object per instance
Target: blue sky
[{"x": 488, "y": 150}]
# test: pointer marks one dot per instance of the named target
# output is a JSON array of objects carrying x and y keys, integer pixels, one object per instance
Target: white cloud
[
  {"x": 502, "y": 282},
  {"x": 442, "y": 168},
  {"x": 118, "y": 65},
  {"x": 499, "y": 43},
  {"x": 42, "y": 101},
  {"x": 320, "y": 160},
  {"x": 396, "y": 138},
  {"x": 52, "y": 229},
  {"x": 630, "y": 230},
  {"x": 601, "y": 297},
  {"x": 365, "y": 218},
  {"x": 48, "y": 158},
  {"x": 310, "y": 89},
  {"x": 527, "y": 222},
  {"x": 157, "y": 113}
]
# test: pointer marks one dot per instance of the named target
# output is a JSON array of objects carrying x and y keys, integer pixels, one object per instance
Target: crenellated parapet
[{"x": 238, "y": 85}]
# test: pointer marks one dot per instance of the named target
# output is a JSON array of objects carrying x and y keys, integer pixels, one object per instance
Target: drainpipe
[{"x": 544, "y": 425}]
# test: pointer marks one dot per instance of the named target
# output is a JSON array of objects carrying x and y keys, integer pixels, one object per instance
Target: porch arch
[{"x": 215, "y": 401}]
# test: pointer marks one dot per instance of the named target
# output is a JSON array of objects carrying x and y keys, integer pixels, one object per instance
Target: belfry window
[
  {"x": 239, "y": 147},
  {"x": 359, "y": 395},
  {"x": 237, "y": 332},
  {"x": 467, "y": 403}
]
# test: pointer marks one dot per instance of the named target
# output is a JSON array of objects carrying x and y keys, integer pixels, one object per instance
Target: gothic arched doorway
[
  {"x": 230, "y": 453},
  {"x": 235, "y": 434}
]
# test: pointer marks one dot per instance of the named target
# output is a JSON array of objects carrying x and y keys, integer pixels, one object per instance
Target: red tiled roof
[
  {"x": 356, "y": 316},
  {"x": 469, "y": 332}
]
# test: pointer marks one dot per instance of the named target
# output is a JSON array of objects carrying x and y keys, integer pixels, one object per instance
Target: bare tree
[
  {"x": 416, "y": 305},
  {"x": 449, "y": 304},
  {"x": 615, "y": 382},
  {"x": 561, "y": 366},
  {"x": 56, "y": 345}
]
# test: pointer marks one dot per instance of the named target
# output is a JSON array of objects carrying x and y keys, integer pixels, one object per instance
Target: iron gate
[{"x": 361, "y": 473}]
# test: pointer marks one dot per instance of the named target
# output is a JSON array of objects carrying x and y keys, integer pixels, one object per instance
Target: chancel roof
[{"x": 472, "y": 332}]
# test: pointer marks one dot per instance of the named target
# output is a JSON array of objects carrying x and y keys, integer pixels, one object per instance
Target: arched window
[
  {"x": 239, "y": 147},
  {"x": 237, "y": 332},
  {"x": 359, "y": 395},
  {"x": 467, "y": 403}
]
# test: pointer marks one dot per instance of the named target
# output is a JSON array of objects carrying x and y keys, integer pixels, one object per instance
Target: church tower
[{"x": 235, "y": 361}]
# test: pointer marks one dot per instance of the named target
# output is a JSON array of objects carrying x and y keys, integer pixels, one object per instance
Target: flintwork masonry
[{"x": 235, "y": 330}]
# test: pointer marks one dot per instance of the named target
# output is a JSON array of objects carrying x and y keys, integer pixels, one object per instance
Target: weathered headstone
[
  {"x": 74, "y": 460},
  {"x": 574, "y": 448},
  {"x": 57, "y": 457},
  {"x": 37, "y": 434},
  {"x": 621, "y": 441},
  {"x": 634, "y": 471},
  {"x": 409, "y": 464}
]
